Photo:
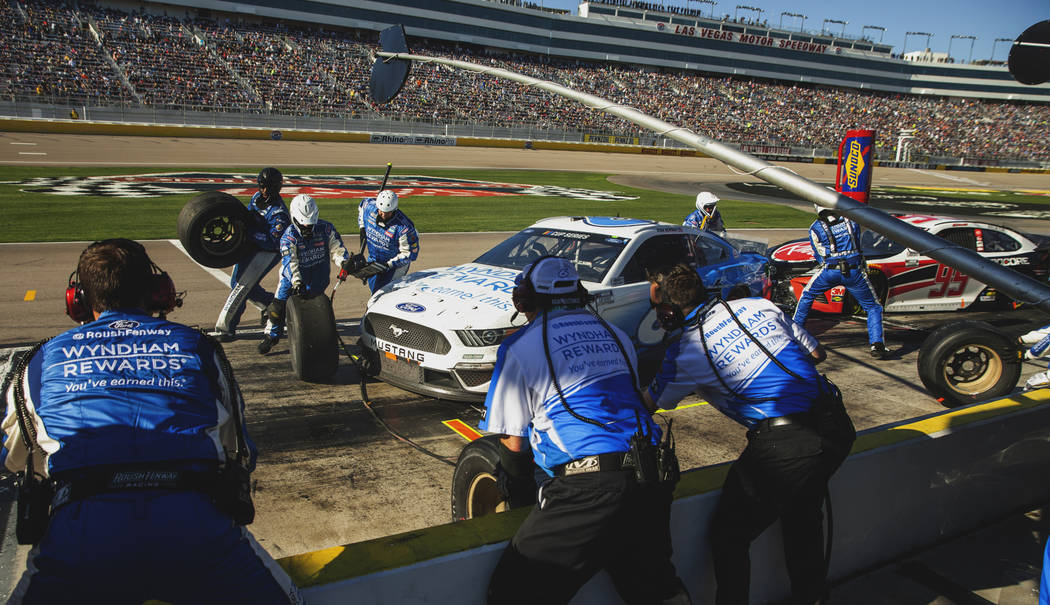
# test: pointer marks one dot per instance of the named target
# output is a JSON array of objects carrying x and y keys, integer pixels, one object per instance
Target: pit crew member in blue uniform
[
  {"x": 135, "y": 429},
  {"x": 305, "y": 248},
  {"x": 706, "y": 216},
  {"x": 836, "y": 246},
  {"x": 1041, "y": 347},
  {"x": 757, "y": 369},
  {"x": 390, "y": 237},
  {"x": 565, "y": 383},
  {"x": 270, "y": 217}
]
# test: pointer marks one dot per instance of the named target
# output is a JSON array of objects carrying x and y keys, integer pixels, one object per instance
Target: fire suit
[
  {"x": 270, "y": 223},
  {"x": 1041, "y": 379},
  {"x": 589, "y": 517},
  {"x": 708, "y": 222},
  {"x": 394, "y": 242},
  {"x": 798, "y": 434},
  {"x": 122, "y": 396},
  {"x": 836, "y": 247},
  {"x": 304, "y": 264}
]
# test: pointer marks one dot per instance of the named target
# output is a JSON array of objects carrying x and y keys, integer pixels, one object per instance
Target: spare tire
[
  {"x": 213, "y": 228},
  {"x": 312, "y": 339},
  {"x": 969, "y": 361},
  {"x": 475, "y": 482}
]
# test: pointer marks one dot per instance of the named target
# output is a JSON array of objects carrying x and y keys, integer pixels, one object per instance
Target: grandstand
[{"x": 743, "y": 83}]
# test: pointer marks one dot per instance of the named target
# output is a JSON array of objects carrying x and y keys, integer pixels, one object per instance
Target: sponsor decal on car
[{"x": 409, "y": 307}]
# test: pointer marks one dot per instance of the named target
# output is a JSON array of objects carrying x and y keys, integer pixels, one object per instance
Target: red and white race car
[{"x": 907, "y": 281}]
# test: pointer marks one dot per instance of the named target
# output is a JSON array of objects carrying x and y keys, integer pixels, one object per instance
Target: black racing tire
[
  {"x": 312, "y": 338},
  {"x": 475, "y": 490},
  {"x": 968, "y": 361},
  {"x": 213, "y": 228}
]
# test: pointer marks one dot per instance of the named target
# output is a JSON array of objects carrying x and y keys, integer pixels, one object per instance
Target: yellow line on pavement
[{"x": 30, "y": 295}]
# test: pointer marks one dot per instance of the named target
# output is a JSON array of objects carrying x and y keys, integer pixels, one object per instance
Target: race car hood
[{"x": 468, "y": 296}]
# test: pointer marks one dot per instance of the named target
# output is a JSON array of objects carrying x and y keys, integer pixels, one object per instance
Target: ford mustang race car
[
  {"x": 905, "y": 280},
  {"x": 436, "y": 331}
]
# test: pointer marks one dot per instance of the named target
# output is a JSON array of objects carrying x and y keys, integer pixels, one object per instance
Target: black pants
[
  {"x": 782, "y": 473},
  {"x": 584, "y": 523}
]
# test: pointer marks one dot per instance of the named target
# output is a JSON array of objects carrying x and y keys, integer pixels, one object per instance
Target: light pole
[
  {"x": 881, "y": 29},
  {"x": 750, "y": 8},
  {"x": 836, "y": 21},
  {"x": 927, "y": 34},
  {"x": 998, "y": 40},
  {"x": 953, "y": 37},
  {"x": 712, "y": 3},
  {"x": 786, "y": 14}
]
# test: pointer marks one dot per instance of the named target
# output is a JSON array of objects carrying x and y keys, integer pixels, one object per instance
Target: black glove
[
  {"x": 299, "y": 289},
  {"x": 515, "y": 478}
]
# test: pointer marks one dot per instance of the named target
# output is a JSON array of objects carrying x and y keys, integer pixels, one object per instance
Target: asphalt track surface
[{"x": 329, "y": 473}]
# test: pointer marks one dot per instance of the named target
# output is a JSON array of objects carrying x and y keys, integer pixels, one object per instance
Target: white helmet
[
  {"x": 706, "y": 199},
  {"x": 304, "y": 210},
  {"x": 386, "y": 201}
]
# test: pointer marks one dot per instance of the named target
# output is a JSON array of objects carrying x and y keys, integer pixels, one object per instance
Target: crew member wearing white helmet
[
  {"x": 390, "y": 237},
  {"x": 706, "y": 216},
  {"x": 305, "y": 247}
]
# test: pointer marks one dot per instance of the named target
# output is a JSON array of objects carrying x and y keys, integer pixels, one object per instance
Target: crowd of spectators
[{"x": 84, "y": 54}]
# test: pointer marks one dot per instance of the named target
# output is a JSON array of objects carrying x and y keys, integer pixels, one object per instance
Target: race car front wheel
[
  {"x": 968, "y": 361},
  {"x": 213, "y": 228},
  {"x": 312, "y": 339}
]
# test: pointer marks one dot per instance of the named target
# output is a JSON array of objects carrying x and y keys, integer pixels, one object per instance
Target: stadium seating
[{"x": 91, "y": 55}]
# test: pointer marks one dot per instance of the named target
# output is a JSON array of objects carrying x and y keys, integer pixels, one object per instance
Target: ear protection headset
[
  {"x": 161, "y": 297},
  {"x": 670, "y": 315}
]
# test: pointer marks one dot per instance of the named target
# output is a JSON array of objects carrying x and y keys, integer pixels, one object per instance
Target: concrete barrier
[{"x": 904, "y": 487}]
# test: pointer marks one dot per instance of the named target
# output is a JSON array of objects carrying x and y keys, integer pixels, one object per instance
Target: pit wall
[
  {"x": 51, "y": 126},
  {"x": 903, "y": 488}
]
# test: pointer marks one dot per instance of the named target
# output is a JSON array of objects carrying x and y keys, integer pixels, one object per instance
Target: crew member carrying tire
[
  {"x": 305, "y": 248},
  {"x": 270, "y": 218},
  {"x": 390, "y": 237},
  {"x": 608, "y": 503}
]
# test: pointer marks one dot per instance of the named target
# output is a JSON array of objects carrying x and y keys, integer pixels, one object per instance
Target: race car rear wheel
[
  {"x": 312, "y": 339},
  {"x": 475, "y": 491},
  {"x": 968, "y": 361},
  {"x": 213, "y": 228}
]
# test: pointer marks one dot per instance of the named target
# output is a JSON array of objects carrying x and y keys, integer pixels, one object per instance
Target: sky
[{"x": 987, "y": 20}]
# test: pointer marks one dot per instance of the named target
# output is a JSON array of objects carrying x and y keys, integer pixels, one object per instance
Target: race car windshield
[
  {"x": 876, "y": 244},
  {"x": 591, "y": 253}
]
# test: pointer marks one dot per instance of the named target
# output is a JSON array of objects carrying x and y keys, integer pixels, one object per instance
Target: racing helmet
[
  {"x": 824, "y": 213},
  {"x": 270, "y": 181},
  {"x": 386, "y": 201},
  {"x": 304, "y": 213},
  {"x": 705, "y": 201}
]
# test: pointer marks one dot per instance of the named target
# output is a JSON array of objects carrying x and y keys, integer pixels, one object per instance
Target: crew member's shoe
[
  {"x": 878, "y": 350},
  {"x": 267, "y": 344}
]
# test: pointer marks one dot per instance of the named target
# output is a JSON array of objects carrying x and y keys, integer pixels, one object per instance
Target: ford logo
[
  {"x": 409, "y": 307},
  {"x": 124, "y": 324}
]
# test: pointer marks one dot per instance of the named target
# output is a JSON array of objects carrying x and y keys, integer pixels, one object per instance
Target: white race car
[{"x": 436, "y": 332}]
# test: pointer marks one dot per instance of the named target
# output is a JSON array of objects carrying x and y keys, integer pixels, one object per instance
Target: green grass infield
[{"x": 27, "y": 216}]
